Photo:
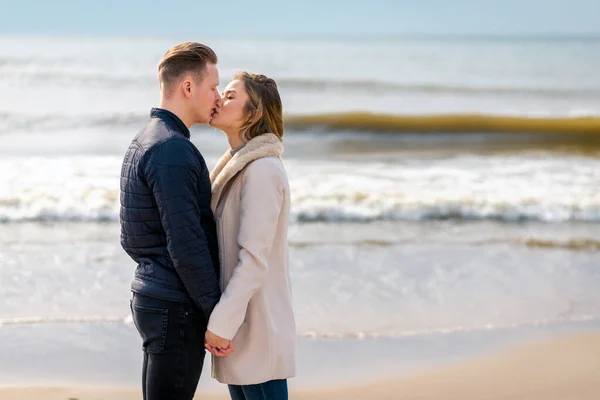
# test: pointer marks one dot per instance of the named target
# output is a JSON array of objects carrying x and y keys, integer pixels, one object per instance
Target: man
[{"x": 167, "y": 226}]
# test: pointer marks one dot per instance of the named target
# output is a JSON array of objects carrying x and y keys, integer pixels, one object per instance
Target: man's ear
[{"x": 186, "y": 86}]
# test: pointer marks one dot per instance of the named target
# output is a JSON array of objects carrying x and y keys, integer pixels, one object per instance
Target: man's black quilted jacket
[{"x": 167, "y": 226}]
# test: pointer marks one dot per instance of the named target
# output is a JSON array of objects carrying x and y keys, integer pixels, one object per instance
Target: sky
[{"x": 301, "y": 18}]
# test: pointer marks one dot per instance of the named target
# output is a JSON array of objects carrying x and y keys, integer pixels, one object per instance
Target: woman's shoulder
[
  {"x": 266, "y": 169},
  {"x": 265, "y": 166}
]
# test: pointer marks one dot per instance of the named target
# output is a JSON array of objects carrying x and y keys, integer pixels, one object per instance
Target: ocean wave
[
  {"x": 31, "y": 71},
  {"x": 578, "y": 123},
  {"x": 378, "y": 86},
  {"x": 11, "y": 122},
  {"x": 446, "y": 212},
  {"x": 464, "y": 187},
  {"x": 107, "y": 211},
  {"x": 575, "y": 244},
  {"x": 88, "y": 78},
  {"x": 363, "y": 121}
]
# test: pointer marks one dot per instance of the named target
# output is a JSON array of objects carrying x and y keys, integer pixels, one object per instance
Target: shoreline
[
  {"x": 109, "y": 355},
  {"x": 557, "y": 368}
]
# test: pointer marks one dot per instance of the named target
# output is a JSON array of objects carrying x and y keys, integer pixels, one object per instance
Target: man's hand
[{"x": 217, "y": 345}]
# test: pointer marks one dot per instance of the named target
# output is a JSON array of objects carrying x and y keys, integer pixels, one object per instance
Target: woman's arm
[{"x": 260, "y": 205}]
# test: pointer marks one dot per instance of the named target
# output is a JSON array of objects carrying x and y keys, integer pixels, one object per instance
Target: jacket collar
[
  {"x": 172, "y": 120},
  {"x": 266, "y": 145}
]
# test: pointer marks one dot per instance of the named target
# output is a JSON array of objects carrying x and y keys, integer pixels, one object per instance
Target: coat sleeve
[
  {"x": 173, "y": 172},
  {"x": 260, "y": 206}
]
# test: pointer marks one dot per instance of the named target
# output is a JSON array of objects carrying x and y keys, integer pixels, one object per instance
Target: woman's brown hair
[{"x": 263, "y": 108}]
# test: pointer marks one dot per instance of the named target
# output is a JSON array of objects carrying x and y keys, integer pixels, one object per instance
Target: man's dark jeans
[{"x": 173, "y": 345}]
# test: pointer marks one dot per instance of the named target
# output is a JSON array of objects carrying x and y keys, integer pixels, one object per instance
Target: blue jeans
[
  {"x": 173, "y": 345},
  {"x": 272, "y": 390}
]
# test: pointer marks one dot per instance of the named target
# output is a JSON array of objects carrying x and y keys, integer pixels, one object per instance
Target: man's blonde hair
[{"x": 189, "y": 57}]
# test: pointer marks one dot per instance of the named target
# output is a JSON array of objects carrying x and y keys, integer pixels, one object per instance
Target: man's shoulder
[
  {"x": 174, "y": 151},
  {"x": 154, "y": 132}
]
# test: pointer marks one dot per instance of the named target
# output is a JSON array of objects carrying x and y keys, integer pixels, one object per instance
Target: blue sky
[{"x": 301, "y": 17}]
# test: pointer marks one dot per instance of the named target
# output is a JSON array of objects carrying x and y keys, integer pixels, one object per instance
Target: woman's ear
[{"x": 255, "y": 116}]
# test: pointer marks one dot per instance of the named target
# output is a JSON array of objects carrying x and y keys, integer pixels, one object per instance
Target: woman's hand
[{"x": 217, "y": 345}]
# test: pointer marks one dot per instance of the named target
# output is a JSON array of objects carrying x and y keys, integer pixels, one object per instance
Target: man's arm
[{"x": 172, "y": 172}]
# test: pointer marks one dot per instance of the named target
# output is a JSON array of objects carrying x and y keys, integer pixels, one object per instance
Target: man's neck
[{"x": 178, "y": 110}]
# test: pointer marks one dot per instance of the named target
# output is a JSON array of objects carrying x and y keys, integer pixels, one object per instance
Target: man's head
[{"x": 189, "y": 79}]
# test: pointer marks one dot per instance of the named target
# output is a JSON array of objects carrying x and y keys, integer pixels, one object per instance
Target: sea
[{"x": 403, "y": 232}]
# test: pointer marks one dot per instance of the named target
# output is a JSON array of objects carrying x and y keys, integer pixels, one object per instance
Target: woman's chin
[{"x": 214, "y": 122}]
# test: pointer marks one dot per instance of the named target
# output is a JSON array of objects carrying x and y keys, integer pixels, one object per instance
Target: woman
[{"x": 251, "y": 332}]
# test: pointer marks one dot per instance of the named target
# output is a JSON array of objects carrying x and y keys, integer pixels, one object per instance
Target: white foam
[{"x": 510, "y": 188}]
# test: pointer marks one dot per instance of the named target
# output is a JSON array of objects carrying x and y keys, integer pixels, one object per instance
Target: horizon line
[{"x": 372, "y": 36}]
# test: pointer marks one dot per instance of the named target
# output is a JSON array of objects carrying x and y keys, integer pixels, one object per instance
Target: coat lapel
[{"x": 267, "y": 145}]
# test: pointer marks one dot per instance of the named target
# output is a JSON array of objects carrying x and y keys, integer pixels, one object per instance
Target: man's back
[{"x": 167, "y": 226}]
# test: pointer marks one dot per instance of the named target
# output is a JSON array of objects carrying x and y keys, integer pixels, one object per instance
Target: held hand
[{"x": 217, "y": 345}]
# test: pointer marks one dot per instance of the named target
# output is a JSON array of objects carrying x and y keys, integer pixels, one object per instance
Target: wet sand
[{"x": 563, "y": 368}]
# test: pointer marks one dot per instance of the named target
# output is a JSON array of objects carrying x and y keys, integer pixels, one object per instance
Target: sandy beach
[{"x": 564, "y": 368}]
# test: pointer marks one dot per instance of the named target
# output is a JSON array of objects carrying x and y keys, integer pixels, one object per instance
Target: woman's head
[{"x": 250, "y": 106}]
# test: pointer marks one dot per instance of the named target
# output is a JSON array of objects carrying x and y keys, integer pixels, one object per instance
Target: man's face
[{"x": 205, "y": 95}]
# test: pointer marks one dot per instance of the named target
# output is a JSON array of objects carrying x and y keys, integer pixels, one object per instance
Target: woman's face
[{"x": 230, "y": 117}]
